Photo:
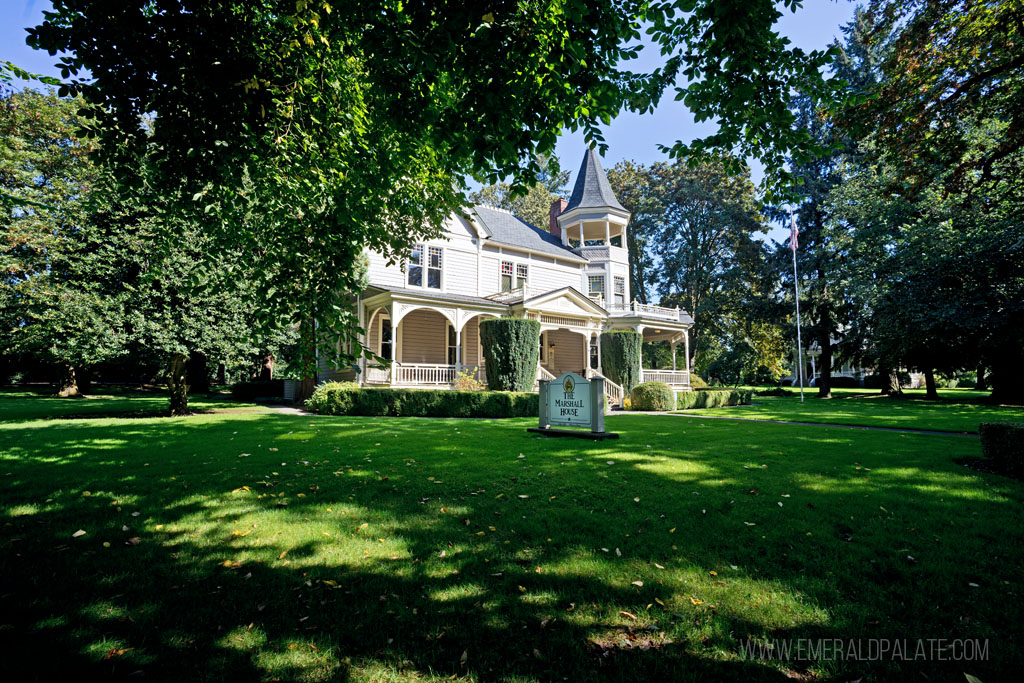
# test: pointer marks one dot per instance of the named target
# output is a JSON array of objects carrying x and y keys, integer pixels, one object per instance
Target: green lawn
[
  {"x": 282, "y": 547},
  {"x": 20, "y": 404},
  {"x": 958, "y": 410}
]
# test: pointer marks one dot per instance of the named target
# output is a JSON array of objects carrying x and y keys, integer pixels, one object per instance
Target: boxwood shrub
[
  {"x": 1003, "y": 444},
  {"x": 711, "y": 398},
  {"x": 511, "y": 350},
  {"x": 621, "y": 357},
  {"x": 348, "y": 399},
  {"x": 651, "y": 396}
]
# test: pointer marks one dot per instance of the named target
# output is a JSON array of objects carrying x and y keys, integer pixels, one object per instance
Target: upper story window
[
  {"x": 616, "y": 240},
  {"x": 513, "y": 275},
  {"x": 620, "y": 290},
  {"x": 595, "y": 286},
  {"x": 429, "y": 257}
]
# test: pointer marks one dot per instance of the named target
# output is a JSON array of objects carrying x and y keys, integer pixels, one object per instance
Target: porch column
[
  {"x": 673, "y": 355},
  {"x": 458, "y": 350},
  {"x": 581, "y": 233},
  {"x": 599, "y": 366},
  {"x": 686, "y": 341},
  {"x": 607, "y": 233}
]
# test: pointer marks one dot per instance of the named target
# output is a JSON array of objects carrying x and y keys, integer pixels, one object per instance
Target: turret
[{"x": 593, "y": 224}]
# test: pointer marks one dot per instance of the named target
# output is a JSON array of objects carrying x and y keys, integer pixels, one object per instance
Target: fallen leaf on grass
[
  {"x": 628, "y": 615},
  {"x": 80, "y": 532},
  {"x": 696, "y": 601},
  {"x": 117, "y": 652},
  {"x": 658, "y": 565},
  {"x": 638, "y": 583}
]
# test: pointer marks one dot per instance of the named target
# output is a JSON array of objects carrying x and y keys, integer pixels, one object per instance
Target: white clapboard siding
[
  {"x": 424, "y": 337},
  {"x": 570, "y": 352}
]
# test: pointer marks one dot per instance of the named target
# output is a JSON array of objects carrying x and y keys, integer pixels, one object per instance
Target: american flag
[{"x": 793, "y": 233}]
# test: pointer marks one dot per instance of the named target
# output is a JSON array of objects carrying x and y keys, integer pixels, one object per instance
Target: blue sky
[{"x": 630, "y": 136}]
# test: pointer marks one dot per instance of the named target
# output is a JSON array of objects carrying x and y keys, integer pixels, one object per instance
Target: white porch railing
[
  {"x": 612, "y": 391},
  {"x": 673, "y": 377},
  {"x": 514, "y": 295},
  {"x": 542, "y": 374},
  {"x": 646, "y": 310},
  {"x": 378, "y": 375},
  {"x": 421, "y": 373}
]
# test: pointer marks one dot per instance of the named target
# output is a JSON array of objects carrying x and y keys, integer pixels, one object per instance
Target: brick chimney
[{"x": 557, "y": 207}]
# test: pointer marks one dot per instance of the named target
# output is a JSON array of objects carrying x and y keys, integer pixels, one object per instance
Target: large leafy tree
[
  {"x": 825, "y": 308},
  {"x": 695, "y": 232},
  {"x": 935, "y": 260},
  {"x": 351, "y": 125},
  {"x": 642, "y": 190},
  {"x": 89, "y": 276},
  {"x": 51, "y": 307}
]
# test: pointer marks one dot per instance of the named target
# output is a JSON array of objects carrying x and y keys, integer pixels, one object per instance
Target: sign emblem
[{"x": 569, "y": 385}]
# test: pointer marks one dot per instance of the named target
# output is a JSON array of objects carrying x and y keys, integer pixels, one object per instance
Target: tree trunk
[
  {"x": 931, "y": 392},
  {"x": 178, "y": 387},
  {"x": 68, "y": 383},
  {"x": 980, "y": 383},
  {"x": 825, "y": 366},
  {"x": 307, "y": 341},
  {"x": 825, "y": 342},
  {"x": 892, "y": 381},
  {"x": 221, "y": 374},
  {"x": 196, "y": 370},
  {"x": 84, "y": 376}
]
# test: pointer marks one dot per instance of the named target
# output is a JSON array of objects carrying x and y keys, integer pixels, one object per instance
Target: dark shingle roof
[
  {"x": 592, "y": 189},
  {"x": 515, "y": 232}
]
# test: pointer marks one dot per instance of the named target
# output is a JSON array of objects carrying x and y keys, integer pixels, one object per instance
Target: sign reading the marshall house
[
  {"x": 573, "y": 401},
  {"x": 569, "y": 402}
]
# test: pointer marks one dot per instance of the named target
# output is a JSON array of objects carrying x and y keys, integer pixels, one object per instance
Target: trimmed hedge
[
  {"x": 697, "y": 382},
  {"x": 511, "y": 350},
  {"x": 621, "y": 357},
  {"x": 1003, "y": 444},
  {"x": 335, "y": 399},
  {"x": 651, "y": 396},
  {"x": 711, "y": 398},
  {"x": 247, "y": 391}
]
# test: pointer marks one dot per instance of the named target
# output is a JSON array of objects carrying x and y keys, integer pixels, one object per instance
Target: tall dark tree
[{"x": 826, "y": 311}]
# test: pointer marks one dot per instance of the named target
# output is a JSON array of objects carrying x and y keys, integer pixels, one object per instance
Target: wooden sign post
[{"x": 572, "y": 401}]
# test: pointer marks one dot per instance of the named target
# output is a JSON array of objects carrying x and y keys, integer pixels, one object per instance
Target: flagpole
[{"x": 796, "y": 287}]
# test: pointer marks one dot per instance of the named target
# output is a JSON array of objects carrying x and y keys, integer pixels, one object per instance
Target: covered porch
[
  {"x": 664, "y": 325},
  {"x": 428, "y": 341}
]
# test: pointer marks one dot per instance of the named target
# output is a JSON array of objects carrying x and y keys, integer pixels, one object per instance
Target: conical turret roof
[{"x": 592, "y": 189}]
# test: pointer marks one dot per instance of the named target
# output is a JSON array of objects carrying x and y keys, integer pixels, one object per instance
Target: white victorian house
[{"x": 424, "y": 313}]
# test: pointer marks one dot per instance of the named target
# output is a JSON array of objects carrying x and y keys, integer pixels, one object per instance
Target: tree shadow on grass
[{"x": 220, "y": 577}]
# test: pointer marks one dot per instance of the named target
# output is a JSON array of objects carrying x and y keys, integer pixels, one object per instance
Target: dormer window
[{"x": 434, "y": 260}]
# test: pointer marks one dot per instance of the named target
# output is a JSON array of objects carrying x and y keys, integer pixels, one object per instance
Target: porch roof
[{"x": 437, "y": 296}]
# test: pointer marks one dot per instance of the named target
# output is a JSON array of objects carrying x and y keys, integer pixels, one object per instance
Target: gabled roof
[
  {"x": 570, "y": 293},
  {"x": 504, "y": 228},
  {"x": 592, "y": 189}
]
